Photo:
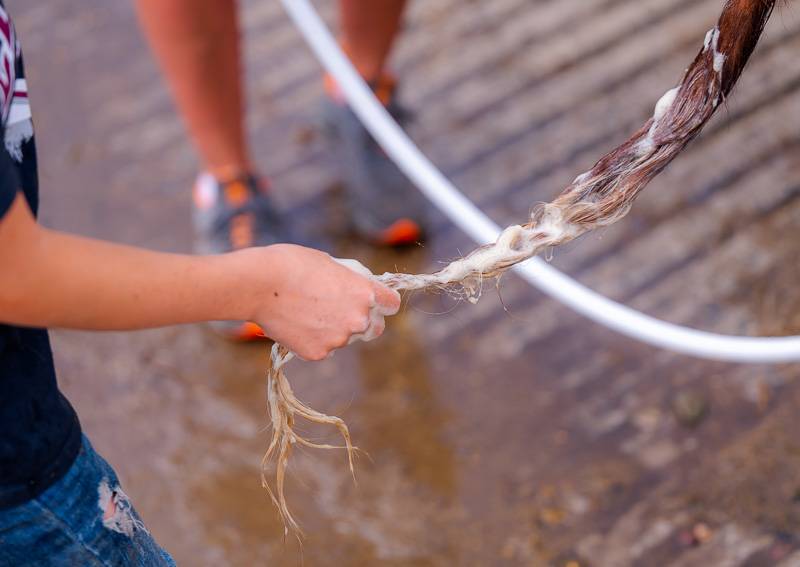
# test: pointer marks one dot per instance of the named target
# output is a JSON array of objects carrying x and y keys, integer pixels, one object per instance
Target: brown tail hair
[
  {"x": 617, "y": 178},
  {"x": 605, "y": 193}
]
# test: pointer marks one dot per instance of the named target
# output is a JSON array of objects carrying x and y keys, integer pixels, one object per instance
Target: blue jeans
[{"x": 84, "y": 519}]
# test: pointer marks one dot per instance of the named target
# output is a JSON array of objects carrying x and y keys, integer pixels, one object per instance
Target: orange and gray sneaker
[
  {"x": 230, "y": 215},
  {"x": 384, "y": 207}
]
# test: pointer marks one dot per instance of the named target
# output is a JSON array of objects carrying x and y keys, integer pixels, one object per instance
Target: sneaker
[
  {"x": 235, "y": 214},
  {"x": 231, "y": 215},
  {"x": 384, "y": 207}
]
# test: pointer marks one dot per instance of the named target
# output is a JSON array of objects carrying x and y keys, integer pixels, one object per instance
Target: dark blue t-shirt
[{"x": 39, "y": 431}]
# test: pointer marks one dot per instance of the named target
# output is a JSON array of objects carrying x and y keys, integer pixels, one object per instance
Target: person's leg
[
  {"x": 368, "y": 31},
  {"x": 383, "y": 206},
  {"x": 197, "y": 45},
  {"x": 83, "y": 519}
]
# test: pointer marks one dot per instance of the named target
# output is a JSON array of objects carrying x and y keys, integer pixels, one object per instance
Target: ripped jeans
[{"x": 84, "y": 519}]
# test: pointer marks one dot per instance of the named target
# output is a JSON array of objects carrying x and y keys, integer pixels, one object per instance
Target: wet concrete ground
[{"x": 508, "y": 433}]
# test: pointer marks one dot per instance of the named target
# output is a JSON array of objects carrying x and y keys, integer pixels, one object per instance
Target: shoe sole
[
  {"x": 402, "y": 232},
  {"x": 238, "y": 332}
]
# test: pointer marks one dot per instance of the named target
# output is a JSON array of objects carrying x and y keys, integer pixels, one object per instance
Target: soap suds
[
  {"x": 648, "y": 144},
  {"x": 712, "y": 42}
]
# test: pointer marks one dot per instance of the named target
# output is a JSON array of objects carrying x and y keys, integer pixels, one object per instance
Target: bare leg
[
  {"x": 383, "y": 206},
  {"x": 197, "y": 45},
  {"x": 369, "y": 28}
]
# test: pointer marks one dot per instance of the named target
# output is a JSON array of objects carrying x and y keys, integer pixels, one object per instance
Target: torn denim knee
[{"x": 116, "y": 510}]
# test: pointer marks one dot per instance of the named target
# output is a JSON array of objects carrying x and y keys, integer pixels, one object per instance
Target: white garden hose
[{"x": 464, "y": 214}]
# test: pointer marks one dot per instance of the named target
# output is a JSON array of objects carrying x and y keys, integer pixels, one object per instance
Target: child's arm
[{"x": 301, "y": 297}]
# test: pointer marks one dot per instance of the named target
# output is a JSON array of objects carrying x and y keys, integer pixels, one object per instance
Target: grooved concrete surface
[{"x": 509, "y": 433}]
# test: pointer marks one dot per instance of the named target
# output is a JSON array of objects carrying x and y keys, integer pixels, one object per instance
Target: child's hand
[{"x": 311, "y": 303}]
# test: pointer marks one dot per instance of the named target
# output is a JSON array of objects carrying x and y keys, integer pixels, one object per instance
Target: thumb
[{"x": 387, "y": 301}]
